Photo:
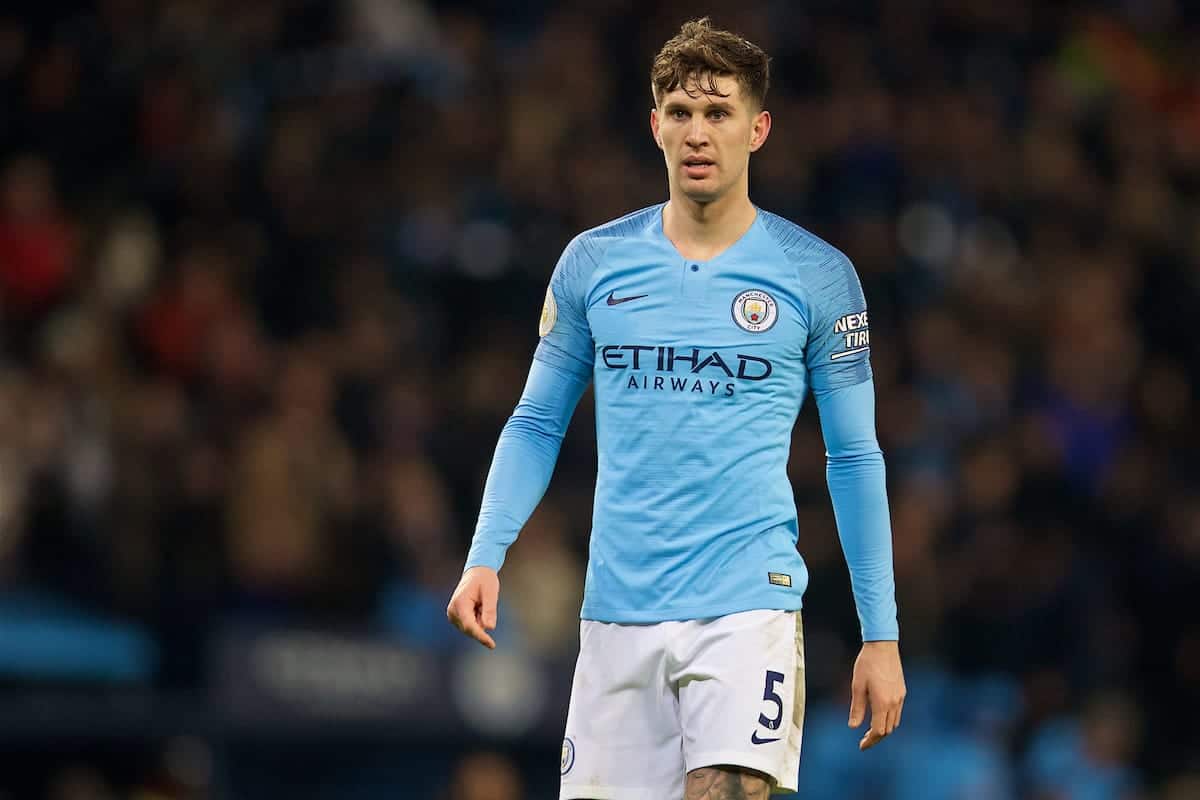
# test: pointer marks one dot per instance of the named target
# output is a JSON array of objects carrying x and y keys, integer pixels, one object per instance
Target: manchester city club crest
[
  {"x": 754, "y": 310},
  {"x": 568, "y": 756}
]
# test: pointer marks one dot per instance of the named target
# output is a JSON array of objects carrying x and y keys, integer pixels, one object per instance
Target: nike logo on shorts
[
  {"x": 755, "y": 740},
  {"x": 614, "y": 301}
]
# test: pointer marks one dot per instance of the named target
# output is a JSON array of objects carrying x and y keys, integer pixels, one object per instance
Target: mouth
[{"x": 698, "y": 166}]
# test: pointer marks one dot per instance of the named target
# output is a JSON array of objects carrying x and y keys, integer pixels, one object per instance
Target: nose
[{"x": 697, "y": 134}]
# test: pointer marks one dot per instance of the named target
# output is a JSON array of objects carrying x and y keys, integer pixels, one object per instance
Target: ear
[
  {"x": 760, "y": 130},
  {"x": 654, "y": 127}
]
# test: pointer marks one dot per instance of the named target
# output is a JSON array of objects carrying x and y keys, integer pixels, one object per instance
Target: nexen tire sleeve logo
[{"x": 857, "y": 331}]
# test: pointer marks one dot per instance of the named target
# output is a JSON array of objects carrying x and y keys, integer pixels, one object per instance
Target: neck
[{"x": 703, "y": 230}]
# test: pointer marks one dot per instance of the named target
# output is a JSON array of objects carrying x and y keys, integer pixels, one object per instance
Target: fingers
[
  {"x": 885, "y": 718},
  {"x": 872, "y": 738},
  {"x": 858, "y": 704},
  {"x": 475, "y": 630},
  {"x": 878, "y": 682},
  {"x": 472, "y": 608},
  {"x": 481, "y": 636},
  {"x": 487, "y": 607},
  {"x": 879, "y": 724},
  {"x": 461, "y": 614},
  {"x": 468, "y": 611}
]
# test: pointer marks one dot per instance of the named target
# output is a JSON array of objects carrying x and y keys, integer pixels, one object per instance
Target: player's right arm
[
  {"x": 530, "y": 441},
  {"x": 521, "y": 468}
]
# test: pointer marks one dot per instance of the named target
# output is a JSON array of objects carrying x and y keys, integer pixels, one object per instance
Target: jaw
[{"x": 700, "y": 191}]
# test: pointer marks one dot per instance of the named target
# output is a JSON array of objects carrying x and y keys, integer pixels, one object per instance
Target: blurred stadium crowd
[{"x": 270, "y": 275}]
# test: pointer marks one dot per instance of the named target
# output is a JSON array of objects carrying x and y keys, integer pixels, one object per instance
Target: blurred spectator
[
  {"x": 1182, "y": 787},
  {"x": 486, "y": 776},
  {"x": 545, "y": 582},
  {"x": 1089, "y": 759},
  {"x": 295, "y": 481},
  {"x": 37, "y": 244},
  {"x": 80, "y": 783}
]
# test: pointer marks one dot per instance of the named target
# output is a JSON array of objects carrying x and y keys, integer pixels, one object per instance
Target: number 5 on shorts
[{"x": 770, "y": 695}]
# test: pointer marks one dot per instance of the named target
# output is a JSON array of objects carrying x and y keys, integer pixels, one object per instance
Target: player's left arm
[
  {"x": 855, "y": 474},
  {"x": 840, "y": 373}
]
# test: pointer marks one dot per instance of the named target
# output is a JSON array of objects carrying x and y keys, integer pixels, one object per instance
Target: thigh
[
  {"x": 622, "y": 737},
  {"x": 725, "y": 782},
  {"x": 741, "y": 695}
]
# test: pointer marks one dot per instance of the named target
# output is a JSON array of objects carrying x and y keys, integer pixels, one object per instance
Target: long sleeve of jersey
[
  {"x": 524, "y": 460},
  {"x": 840, "y": 370},
  {"x": 855, "y": 473}
]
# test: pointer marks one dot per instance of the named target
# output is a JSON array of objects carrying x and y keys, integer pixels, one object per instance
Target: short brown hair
[{"x": 701, "y": 52}]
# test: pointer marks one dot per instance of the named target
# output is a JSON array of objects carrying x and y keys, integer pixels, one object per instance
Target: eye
[
  {"x": 718, "y": 115},
  {"x": 678, "y": 113}
]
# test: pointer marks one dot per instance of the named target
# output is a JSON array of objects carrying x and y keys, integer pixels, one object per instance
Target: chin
[{"x": 702, "y": 194}]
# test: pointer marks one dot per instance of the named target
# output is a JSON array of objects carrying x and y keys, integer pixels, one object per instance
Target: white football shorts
[{"x": 650, "y": 703}]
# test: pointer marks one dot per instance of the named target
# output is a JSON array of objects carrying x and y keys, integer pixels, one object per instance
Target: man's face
[{"x": 707, "y": 139}]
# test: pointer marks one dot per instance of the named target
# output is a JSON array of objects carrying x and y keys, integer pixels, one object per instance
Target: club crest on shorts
[
  {"x": 755, "y": 311},
  {"x": 549, "y": 313},
  {"x": 567, "y": 760}
]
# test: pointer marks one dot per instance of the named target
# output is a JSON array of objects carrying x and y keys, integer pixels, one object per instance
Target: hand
[
  {"x": 878, "y": 680},
  {"x": 472, "y": 607}
]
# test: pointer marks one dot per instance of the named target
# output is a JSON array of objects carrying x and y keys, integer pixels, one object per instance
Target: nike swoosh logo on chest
[{"x": 616, "y": 301}]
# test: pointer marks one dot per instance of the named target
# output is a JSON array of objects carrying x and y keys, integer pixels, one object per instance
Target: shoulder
[
  {"x": 583, "y": 253},
  {"x": 819, "y": 265},
  {"x": 802, "y": 247},
  {"x": 632, "y": 225}
]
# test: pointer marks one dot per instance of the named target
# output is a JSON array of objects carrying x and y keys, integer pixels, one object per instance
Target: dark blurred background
[{"x": 270, "y": 275}]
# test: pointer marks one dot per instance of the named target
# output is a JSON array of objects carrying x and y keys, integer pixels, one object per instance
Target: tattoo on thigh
[{"x": 726, "y": 783}]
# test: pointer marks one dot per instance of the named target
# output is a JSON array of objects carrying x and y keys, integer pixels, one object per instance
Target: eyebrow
[{"x": 717, "y": 105}]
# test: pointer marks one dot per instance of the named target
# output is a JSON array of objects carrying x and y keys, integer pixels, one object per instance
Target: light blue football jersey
[{"x": 700, "y": 368}]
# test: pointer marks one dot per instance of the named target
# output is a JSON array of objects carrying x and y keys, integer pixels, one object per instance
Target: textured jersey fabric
[{"x": 700, "y": 368}]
